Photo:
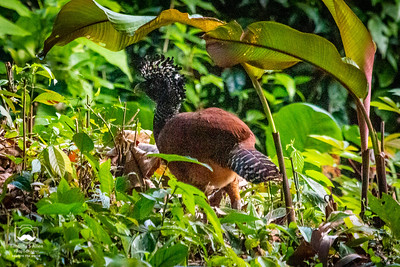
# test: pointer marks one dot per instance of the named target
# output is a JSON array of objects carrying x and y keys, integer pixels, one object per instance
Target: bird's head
[{"x": 162, "y": 80}]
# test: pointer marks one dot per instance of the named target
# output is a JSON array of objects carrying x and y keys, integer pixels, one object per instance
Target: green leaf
[
  {"x": 9, "y": 28},
  {"x": 389, "y": 101},
  {"x": 57, "y": 160},
  {"x": 298, "y": 160},
  {"x": 99, "y": 234},
  {"x": 173, "y": 157},
  {"x": 169, "y": 257},
  {"x": 16, "y": 5},
  {"x": 211, "y": 216},
  {"x": 106, "y": 178},
  {"x": 96, "y": 253},
  {"x": 254, "y": 115},
  {"x": 121, "y": 184},
  {"x": 384, "y": 106},
  {"x": 314, "y": 193},
  {"x": 64, "y": 201},
  {"x": 73, "y": 195},
  {"x": 238, "y": 217},
  {"x": 114, "y": 31},
  {"x": 45, "y": 72},
  {"x": 49, "y": 98},
  {"x": 343, "y": 146},
  {"x": 357, "y": 41},
  {"x": 388, "y": 210},
  {"x": 337, "y": 216},
  {"x": 187, "y": 194},
  {"x": 23, "y": 181},
  {"x": 63, "y": 186},
  {"x": 62, "y": 208},
  {"x": 118, "y": 59},
  {"x": 352, "y": 134},
  {"x": 143, "y": 208},
  {"x": 127, "y": 262},
  {"x": 306, "y": 232},
  {"x": 286, "y": 81},
  {"x": 320, "y": 178},
  {"x": 274, "y": 46},
  {"x": 299, "y": 120},
  {"x": 228, "y": 45},
  {"x": 83, "y": 142}
]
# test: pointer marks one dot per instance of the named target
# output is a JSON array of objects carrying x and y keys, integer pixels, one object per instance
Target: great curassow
[{"x": 213, "y": 136}]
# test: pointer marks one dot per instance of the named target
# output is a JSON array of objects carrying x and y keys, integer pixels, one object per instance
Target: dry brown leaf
[
  {"x": 131, "y": 154},
  {"x": 332, "y": 171}
]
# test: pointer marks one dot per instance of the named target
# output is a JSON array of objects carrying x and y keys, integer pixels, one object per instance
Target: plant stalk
[
  {"x": 278, "y": 147},
  {"x": 365, "y": 182},
  {"x": 87, "y": 112},
  {"x": 380, "y": 164},
  {"x": 24, "y": 126},
  {"x": 379, "y": 155},
  {"x": 285, "y": 182}
]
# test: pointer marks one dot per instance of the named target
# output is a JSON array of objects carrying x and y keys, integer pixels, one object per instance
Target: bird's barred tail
[{"x": 253, "y": 166}]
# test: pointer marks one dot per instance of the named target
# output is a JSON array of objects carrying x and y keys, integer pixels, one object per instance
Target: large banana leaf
[
  {"x": 114, "y": 31},
  {"x": 264, "y": 45},
  {"x": 358, "y": 46},
  {"x": 357, "y": 41},
  {"x": 271, "y": 45}
]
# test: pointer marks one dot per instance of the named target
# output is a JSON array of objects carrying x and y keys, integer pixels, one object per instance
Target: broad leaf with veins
[
  {"x": 274, "y": 46},
  {"x": 357, "y": 41},
  {"x": 114, "y": 31},
  {"x": 263, "y": 46}
]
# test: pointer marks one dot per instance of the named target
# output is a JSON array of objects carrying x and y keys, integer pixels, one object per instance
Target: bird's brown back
[{"x": 207, "y": 134}]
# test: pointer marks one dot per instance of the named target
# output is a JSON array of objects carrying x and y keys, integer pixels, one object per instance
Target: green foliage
[
  {"x": 171, "y": 157},
  {"x": 387, "y": 209},
  {"x": 65, "y": 201},
  {"x": 297, "y": 122},
  {"x": 82, "y": 213}
]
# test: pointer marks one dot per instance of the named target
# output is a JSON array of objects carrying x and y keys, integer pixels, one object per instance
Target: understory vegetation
[{"x": 78, "y": 183}]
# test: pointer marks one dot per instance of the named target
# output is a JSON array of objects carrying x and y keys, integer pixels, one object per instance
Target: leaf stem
[
  {"x": 374, "y": 138},
  {"x": 278, "y": 146},
  {"x": 379, "y": 157},
  {"x": 165, "y": 205},
  {"x": 365, "y": 182},
  {"x": 264, "y": 102}
]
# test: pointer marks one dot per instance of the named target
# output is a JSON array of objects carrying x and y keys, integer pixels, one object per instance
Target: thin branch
[
  {"x": 104, "y": 121},
  {"x": 24, "y": 125}
]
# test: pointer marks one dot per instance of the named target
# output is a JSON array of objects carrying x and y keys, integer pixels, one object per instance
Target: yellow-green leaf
[
  {"x": 49, "y": 98},
  {"x": 319, "y": 177},
  {"x": 274, "y": 46},
  {"x": 114, "y": 31},
  {"x": 58, "y": 161}
]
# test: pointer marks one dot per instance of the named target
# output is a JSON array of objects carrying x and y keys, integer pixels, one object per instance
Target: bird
[{"x": 212, "y": 135}]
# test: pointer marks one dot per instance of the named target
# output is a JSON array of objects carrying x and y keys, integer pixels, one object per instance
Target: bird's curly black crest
[{"x": 161, "y": 74}]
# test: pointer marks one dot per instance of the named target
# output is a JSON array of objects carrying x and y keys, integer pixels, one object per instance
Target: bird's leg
[{"x": 233, "y": 192}]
